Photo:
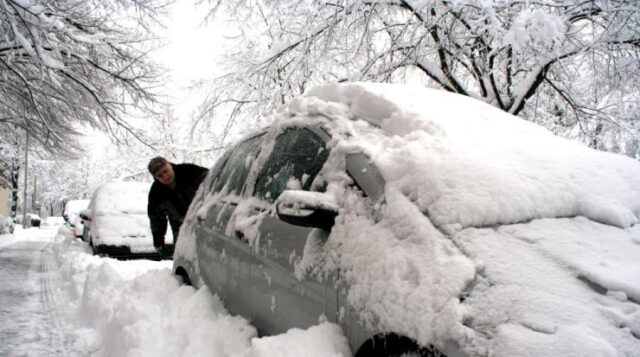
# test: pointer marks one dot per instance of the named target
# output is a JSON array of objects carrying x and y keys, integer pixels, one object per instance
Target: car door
[
  {"x": 225, "y": 261},
  {"x": 283, "y": 299}
]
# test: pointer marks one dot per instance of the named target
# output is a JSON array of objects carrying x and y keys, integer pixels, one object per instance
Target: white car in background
[
  {"x": 33, "y": 220},
  {"x": 72, "y": 215},
  {"x": 116, "y": 221},
  {"x": 52, "y": 222}
]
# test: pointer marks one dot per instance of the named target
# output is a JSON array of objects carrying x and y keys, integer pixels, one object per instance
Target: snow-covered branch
[
  {"x": 500, "y": 52},
  {"x": 75, "y": 61}
]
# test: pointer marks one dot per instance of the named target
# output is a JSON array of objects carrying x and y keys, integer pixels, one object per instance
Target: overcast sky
[
  {"x": 191, "y": 52},
  {"x": 191, "y": 44}
]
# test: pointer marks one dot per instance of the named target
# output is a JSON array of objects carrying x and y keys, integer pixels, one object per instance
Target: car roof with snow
[
  {"x": 119, "y": 215},
  {"x": 75, "y": 206},
  {"x": 496, "y": 235}
]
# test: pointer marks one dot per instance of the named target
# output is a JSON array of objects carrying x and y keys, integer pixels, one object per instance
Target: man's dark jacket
[{"x": 172, "y": 203}]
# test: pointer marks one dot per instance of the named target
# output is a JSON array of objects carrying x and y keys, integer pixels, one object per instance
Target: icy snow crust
[
  {"x": 119, "y": 216},
  {"x": 494, "y": 236}
]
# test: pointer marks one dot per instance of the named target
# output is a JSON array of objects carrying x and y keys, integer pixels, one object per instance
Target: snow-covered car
[
  {"x": 53, "y": 221},
  {"x": 71, "y": 214},
  {"x": 6, "y": 225},
  {"x": 421, "y": 221},
  {"x": 116, "y": 221},
  {"x": 33, "y": 220}
]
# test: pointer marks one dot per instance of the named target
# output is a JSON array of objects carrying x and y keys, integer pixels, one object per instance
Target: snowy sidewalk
[{"x": 35, "y": 314}]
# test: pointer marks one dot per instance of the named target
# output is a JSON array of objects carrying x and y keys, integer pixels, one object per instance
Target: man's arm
[
  {"x": 157, "y": 221},
  {"x": 197, "y": 173}
]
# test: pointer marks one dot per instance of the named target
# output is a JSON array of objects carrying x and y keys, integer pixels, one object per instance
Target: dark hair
[{"x": 156, "y": 164}]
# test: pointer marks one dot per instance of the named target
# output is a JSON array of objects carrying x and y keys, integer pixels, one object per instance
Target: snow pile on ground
[
  {"x": 138, "y": 308},
  {"x": 29, "y": 234}
]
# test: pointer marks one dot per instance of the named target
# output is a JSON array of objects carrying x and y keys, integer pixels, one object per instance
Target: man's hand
[{"x": 165, "y": 252}]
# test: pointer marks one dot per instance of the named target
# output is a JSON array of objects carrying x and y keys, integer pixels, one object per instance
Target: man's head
[{"x": 161, "y": 170}]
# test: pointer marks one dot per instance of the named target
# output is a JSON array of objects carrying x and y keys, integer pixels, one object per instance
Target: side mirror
[
  {"x": 307, "y": 209},
  {"x": 85, "y": 214}
]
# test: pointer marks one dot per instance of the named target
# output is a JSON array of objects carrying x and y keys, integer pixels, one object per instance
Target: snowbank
[
  {"x": 138, "y": 308},
  {"x": 27, "y": 235}
]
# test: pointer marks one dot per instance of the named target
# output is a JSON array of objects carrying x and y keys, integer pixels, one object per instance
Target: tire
[
  {"x": 393, "y": 345},
  {"x": 94, "y": 249},
  {"x": 182, "y": 274}
]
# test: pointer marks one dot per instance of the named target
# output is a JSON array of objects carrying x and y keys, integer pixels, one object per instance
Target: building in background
[{"x": 5, "y": 195}]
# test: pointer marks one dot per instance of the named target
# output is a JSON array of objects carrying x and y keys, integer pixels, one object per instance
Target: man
[{"x": 170, "y": 196}]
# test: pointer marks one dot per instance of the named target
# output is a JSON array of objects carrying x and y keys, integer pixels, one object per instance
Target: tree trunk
[{"x": 15, "y": 175}]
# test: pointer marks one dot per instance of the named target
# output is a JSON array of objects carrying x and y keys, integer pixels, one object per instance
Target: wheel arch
[
  {"x": 393, "y": 344},
  {"x": 183, "y": 274}
]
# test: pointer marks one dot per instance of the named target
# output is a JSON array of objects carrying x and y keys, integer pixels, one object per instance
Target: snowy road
[
  {"x": 56, "y": 299},
  {"x": 34, "y": 322}
]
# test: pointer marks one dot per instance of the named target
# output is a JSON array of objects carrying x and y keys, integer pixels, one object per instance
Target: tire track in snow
[
  {"x": 38, "y": 316},
  {"x": 52, "y": 304}
]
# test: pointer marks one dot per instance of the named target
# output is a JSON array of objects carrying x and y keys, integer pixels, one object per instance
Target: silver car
[{"x": 269, "y": 227}]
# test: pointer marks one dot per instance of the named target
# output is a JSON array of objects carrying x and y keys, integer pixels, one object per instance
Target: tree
[
  {"x": 570, "y": 64},
  {"x": 70, "y": 62},
  {"x": 60, "y": 180}
]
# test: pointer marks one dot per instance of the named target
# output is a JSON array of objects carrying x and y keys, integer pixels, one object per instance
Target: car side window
[
  {"x": 297, "y": 154},
  {"x": 236, "y": 168}
]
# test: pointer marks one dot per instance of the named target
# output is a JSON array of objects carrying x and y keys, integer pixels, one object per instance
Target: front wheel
[
  {"x": 94, "y": 249},
  {"x": 394, "y": 345},
  {"x": 182, "y": 274}
]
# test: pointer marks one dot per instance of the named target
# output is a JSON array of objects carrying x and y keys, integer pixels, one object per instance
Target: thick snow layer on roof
[
  {"x": 466, "y": 163},
  {"x": 119, "y": 216},
  {"x": 73, "y": 207},
  {"x": 138, "y": 308},
  {"x": 554, "y": 286}
]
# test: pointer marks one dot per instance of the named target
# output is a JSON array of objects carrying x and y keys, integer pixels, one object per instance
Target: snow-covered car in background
[
  {"x": 53, "y": 221},
  {"x": 72, "y": 215},
  {"x": 116, "y": 221},
  {"x": 33, "y": 220},
  {"x": 420, "y": 220},
  {"x": 6, "y": 225}
]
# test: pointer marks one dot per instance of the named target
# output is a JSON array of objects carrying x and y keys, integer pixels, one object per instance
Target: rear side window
[
  {"x": 298, "y": 154},
  {"x": 237, "y": 166}
]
